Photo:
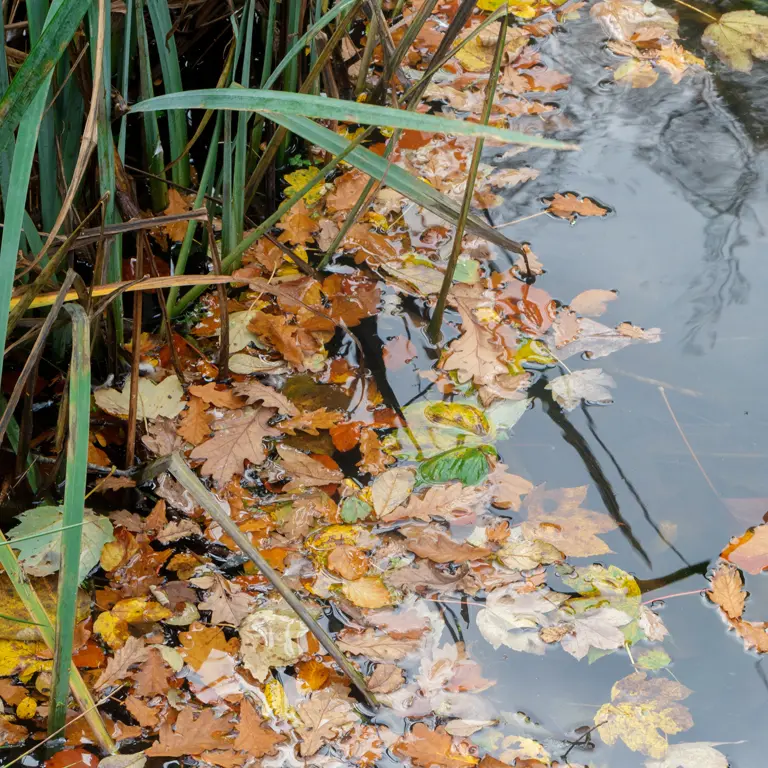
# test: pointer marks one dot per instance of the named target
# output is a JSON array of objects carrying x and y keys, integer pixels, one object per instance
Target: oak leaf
[
  {"x": 227, "y": 603},
  {"x": 445, "y": 501},
  {"x": 252, "y": 736},
  {"x": 427, "y": 747},
  {"x": 753, "y": 634},
  {"x": 432, "y": 543},
  {"x": 152, "y": 678},
  {"x": 643, "y": 712},
  {"x": 195, "y": 423},
  {"x": 593, "y": 302},
  {"x": 348, "y": 561},
  {"x": 386, "y": 678},
  {"x": 569, "y": 206},
  {"x": 727, "y": 591},
  {"x": 200, "y": 640},
  {"x": 297, "y": 225},
  {"x": 146, "y": 716},
  {"x": 311, "y": 422},
  {"x": 118, "y": 666},
  {"x": 220, "y": 398},
  {"x": 191, "y": 736},
  {"x": 375, "y": 646},
  {"x": 325, "y": 717},
  {"x": 239, "y": 438},
  {"x": 162, "y": 438},
  {"x": 374, "y": 461},
  {"x": 254, "y": 392},
  {"x": 305, "y": 471}
]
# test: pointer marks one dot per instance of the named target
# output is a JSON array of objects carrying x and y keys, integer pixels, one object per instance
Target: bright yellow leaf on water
[
  {"x": 297, "y": 179},
  {"x": 368, "y": 592},
  {"x": 321, "y": 543},
  {"x": 26, "y": 709},
  {"x": 140, "y": 610},
  {"x": 113, "y": 630},
  {"x": 16, "y": 655},
  {"x": 278, "y": 702},
  {"x": 737, "y": 37},
  {"x": 520, "y": 8},
  {"x": 36, "y": 666}
]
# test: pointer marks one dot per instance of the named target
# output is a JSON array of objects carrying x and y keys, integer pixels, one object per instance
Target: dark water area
[{"x": 683, "y": 169}]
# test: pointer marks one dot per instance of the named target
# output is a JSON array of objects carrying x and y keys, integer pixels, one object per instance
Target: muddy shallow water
[{"x": 683, "y": 169}]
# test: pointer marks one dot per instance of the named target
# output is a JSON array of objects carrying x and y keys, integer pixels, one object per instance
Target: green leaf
[
  {"x": 62, "y": 22},
  {"x": 654, "y": 659},
  {"x": 354, "y": 509},
  {"x": 469, "y": 465},
  {"x": 41, "y": 555},
  {"x": 268, "y": 103}
]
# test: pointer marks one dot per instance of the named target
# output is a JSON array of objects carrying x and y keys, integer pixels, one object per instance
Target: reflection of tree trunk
[
  {"x": 574, "y": 438},
  {"x": 649, "y": 585}
]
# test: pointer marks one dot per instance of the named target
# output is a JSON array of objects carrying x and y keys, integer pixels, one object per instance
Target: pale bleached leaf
[{"x": 590, "y": 385}]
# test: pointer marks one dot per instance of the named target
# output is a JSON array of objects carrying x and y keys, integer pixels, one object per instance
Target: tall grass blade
[
  {"x": 169, "y": 63},
  {"x": 61, "y": 25},
  {"x": 241, "y": 140},
  {"x": 74, "y": 501}
]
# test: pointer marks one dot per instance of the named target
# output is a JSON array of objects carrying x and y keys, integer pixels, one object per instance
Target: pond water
[{"x": 683, "y": 168}]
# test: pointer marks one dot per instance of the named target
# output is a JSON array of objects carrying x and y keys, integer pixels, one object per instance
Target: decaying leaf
[
  {"x": 727, "y": 590},
  {"x": 305, "y": 471},
  {"x": 255, "y": 392},
  {"x": 375, "y": 646},
  {"x": 367, "y": 592},
  {"x": 595, "y": 629},
  {"x": 268, "y": 639},
  {"x": 252, "y": 735},
  {"x": 227, "y": 603},
  {"x": 195, "y": 423},
  {"x": 325, "y": 716},
  {"x": 697, "y": 754},
  {"x": 390, "y": 489},
  {"x": 570, "y": 206},
  {"x": 643, "y": 712},
  {"x": 749, "y": 551},
  {"x": 432, "y": 543},
  {"x": 190, "y": 735},
  {"x": 590, "y": 385},
  {"x": 737, "y": 37},
  {"x": 593, "y": 302},
  {"x": 154, "y": 400},
  {"x": 386, "y": 678},
  {"x": 426, "y": 747}
]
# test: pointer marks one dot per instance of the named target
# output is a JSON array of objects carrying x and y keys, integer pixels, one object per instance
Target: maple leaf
[
  {"x": 220, "y": 398},
  {"x": 152, "y": 678},
  {"x": 191, "y": 736},
  {"x": 507, "y": 489},
  {"x": 749, "y": 551},
  {"x": 443, "y": 501},
  {"x": 255, "y": 392},
  {"x": 305, "y": 470},
  {"x": 386, "y": 678},
  {"x": 252, "y": 736},
  {"x": 727, "y": 591},
  {"x": 325, "y": 717},
  {"x": 268, "y": 639},
  {"x": 432, "y": 543},
  {"x": 200, "y": 640},
  {"x": 311, "y": 422},
  {"x": 590, "y": 385},
  {"x": 163, "y": 399},
  {"x": 374, "y": 461},
  {"x": 595, "y": 629},
  {"x": 570, "y": 528},
  {"x": 736, "y": 37},
  {"x": 367, "y": 592},
  {"x": 297, "y": 225},
  {"x": 427, "y": 747},
  {"x": 569, "y": 206},
  {"x": 239, "y": 438},
  {"x": 390, "y": 489},
  {"x": 227, "y": 603},
  {"x": 347, "y": 190},
  {"x": 642, "y": 712},
  {"x": 376, "y": 647},
  {"x": 593, "y": 302}
]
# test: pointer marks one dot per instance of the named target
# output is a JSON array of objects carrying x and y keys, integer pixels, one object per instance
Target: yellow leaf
[
  {"x": 26, "y": 709},
  {"x": 113, "y": 629},
  {"x": 477, "y": 54},
  {"x": 297, "y": 179},
  {"x": 17, "y": 655},
  {"x": 278, "y": 702},
  {"x": 737, "y": 37},
  {"x": 639, "y": 74},
  {"x": 368, "y": 592},
  {"x": 136, "y": 610},
  {"x": 164, "y": 399}
]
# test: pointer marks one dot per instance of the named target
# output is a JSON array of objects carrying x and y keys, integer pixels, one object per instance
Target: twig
[
  {"x": 133, "y": 400},
  {"x": 676, "y": 594},
  {"x": 223, "y": 359},
  {"x": 178, "y": 467},
  {"x": 517, "y": 221},
  {"x": 687, "y": 444}
]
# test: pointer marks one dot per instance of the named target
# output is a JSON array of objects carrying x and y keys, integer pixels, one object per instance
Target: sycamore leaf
[
  {"x": 325, "y": 717},
  {"x": 306, "y": 471},
  {"x": 590, "y": 385},
  {"x": 255, "y": 392},
  {"x": 191, "y": 735},
  {"x": 593, "y": 302},
  {"x": 512, "y": 618},
  {"x": 268, "y": 639},
  {"x": 736, "y": 37},
  {"x": 375, "y": 646},
  {"x": 41, "y": 555},
  {"x": 643, "y": 712},
  {"x": 428, "y": 747},
  {"x": 595, "y": 629},
  {"x": 390, "y": 489},
  {"x": 654, "y": 659},
  {"x": 697, "y": 754},
  {"x": 749, "y": 551},
  {"x": 728, "y": 590},
  {"x": 253, "y": 736},
  {"x": 154, "y": 400},
  {"x": 239, "y": 438}
]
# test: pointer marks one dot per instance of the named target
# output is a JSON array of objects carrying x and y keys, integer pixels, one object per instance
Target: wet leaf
[
  {"x": 374, "y": 460},
  {"x": 349, "y": 562},
  {"x": 12, "y": 733},
  {"x": 590, "y": 385},
  {"x": 118, "y": 667},
  {"x": 622, "y": 19},
  {"x": 214, "y": 394},
  {"x": 195, "y": 423},
  {"x": 376, "y": 647},
  {"x": 238, "y": 438},
  {"x": 697, "y": 754},
  {"x": 367, "y": 592},
  {"x": 507, "y": 489},
  {"x": 256, "y": 392},
  {"x": 152, "y": 678},
  {"x": 523, "y": 555},
  {"x": 593, "y": 302},
  {"x": 325, "y": 716},
  {"x": 595, "y": 629},
  {"x": 354, "y": 509},
  {"x": 397, "y": 352},
  {"x": 253, "y": 736},
  {"x": 653, "y": 660},
  {"x": 737, "y": 37},
  {"x": 268, "y": 639},
  {"x": 469, "y": 465},
  {"x": 638, "y": 74},
  {"x": 427, "y": 747},
  {"x": 445, "y": 501},
  {"x": 728, "y": 591},
  {"x": 305, "y": 471},
  {"x": 41, "y": 555},
  {"x": 570, "y": 205},
  {"x": 749, "y": 551},
  {"x": 146, "y": 716},
  {"x": 311, "y": 422},
  {"x": 198, "y": 643},
  {"x": 477, "y": 55},
  {"x": 390, "y": 489},
  {"x": 154, "y": 400},
  {"x": 227, "y": 603},
  {"x": 386, "y": 678},
  {"x": 191, "y": 735},
  {"x": 459, "y": 415},
  {"x": 643, "y": 712},
  {"x": 432, "y": 543}
]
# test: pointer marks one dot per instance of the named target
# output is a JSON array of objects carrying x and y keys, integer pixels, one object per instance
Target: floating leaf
[
  {"x": 390, "y": 489},
  {"x": 728, "y": 591},
  {"x": 469, "y": 465},
  {"x": 153, "y": 400},
  {"x": 325, "y": 717},
  {"x": 737, "y": 37},
  {"x": 595, "y": 629},
  {"x": 654, "y": 660},
  {"x": 697, "y": 754},
  {"x": 570, "y": 206},
  {"x": 593, "y": 302},
  {"x": 428, "y": 747},
  {"x": 590, "y": 385},
  {"x": 367, "y": 592},
  {"x": 268, "y": 639},
  {"x": 354, "y": 509},
  {"x": 459, "y": 415},
  {"x": 749, "y": 551}
]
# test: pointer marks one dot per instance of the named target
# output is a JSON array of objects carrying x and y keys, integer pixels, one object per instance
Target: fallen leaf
[
  {"x": 268, "y": 639},
  {"x": 390, "y": 489},
  {"x": 432, "y": 543},
  {"x": 162, "y": 438},
  {"x": 224, "y": 758},
  {"x": 374, "y": 460},
  {"x": 442, "y": 501},
  {"x": 749, "y": 551},
  {"x": 154, "y": 400},
  {"x": 118, "y": 666},
  {"x": 198, "y": 642},
  {"x": 305, "y": 471},
  {"x": 136, "y": 760},
  {"x": 311, "y": 422},
  {"x": 146, "y": 716},
  {"x": 655, "y": 660},
  {"x": 652, "y": 335},
  {"x": 255, "y": 392},
  {"x": 427, "y": 747},
  {"x": 348, "y": 561},
  {"x": 367, "y": 592},
  {"x": 297, "y": 225},
  {"x": 595, "y": 629},
  {"x": 212, "y": 395},
  {"x": 638, "y": 74},
  {"x": 697, "y": 754},
  {"x": 12, "y": 694},
  {"x": 325, "y": 717},
  {"x": 736, "y": 37},
  {"x": 507, "y": 489},
  {"x": 593, "y": 302},
  {"x": 178, "y": 529},
  {"x": 727, "y": 590},
  {"x": 191, "y": 736},
  {"x": 622, "y": 19},
  {"x": 422, "y": 575},
  {"x": 227, "y": 603},
  {"x": 253, "y": 736},
  {"x": 13, "y": 733},
  {"x": 643, "y": 712},
  {"x": 239, "y": 438},
  {"x": 376, "y": 647},
  {"x": 386, "y": 678},
  {"x": 570, "y": 205},
  {"x": 590, "y": 385},
  {"x": 177, "y": 203}
]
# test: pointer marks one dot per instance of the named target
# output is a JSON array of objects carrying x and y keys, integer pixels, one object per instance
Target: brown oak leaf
[
  {"x": 200, "y": 640},
  {"x": 569, "y": 206},
  {"x": 213, "y": 395},
  {"x": 374, "y": 460},
  {"x": 227, "y": 603},
  {"x": 377, "y": 647},
  {"x": 325, "y": 716},
  {"x": 191, "y": 736},
  {"x": 146, "y": 716},
  {"x": 432, "y": 543},
  {"x": 727, "y": 590},
  {"x": 195, "y": 422},
  {"x": 312, "y": 421},
  {"x": 305, "y": 471},
  {"x": 133, "y": 652},
  {"x": 254, "y": 392},
  {"x": 252, "y": 736},
  {"x": 297, "y": 225},
  {"x": 427, "y": 747},
  {"x": 152, "y": 678}
]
